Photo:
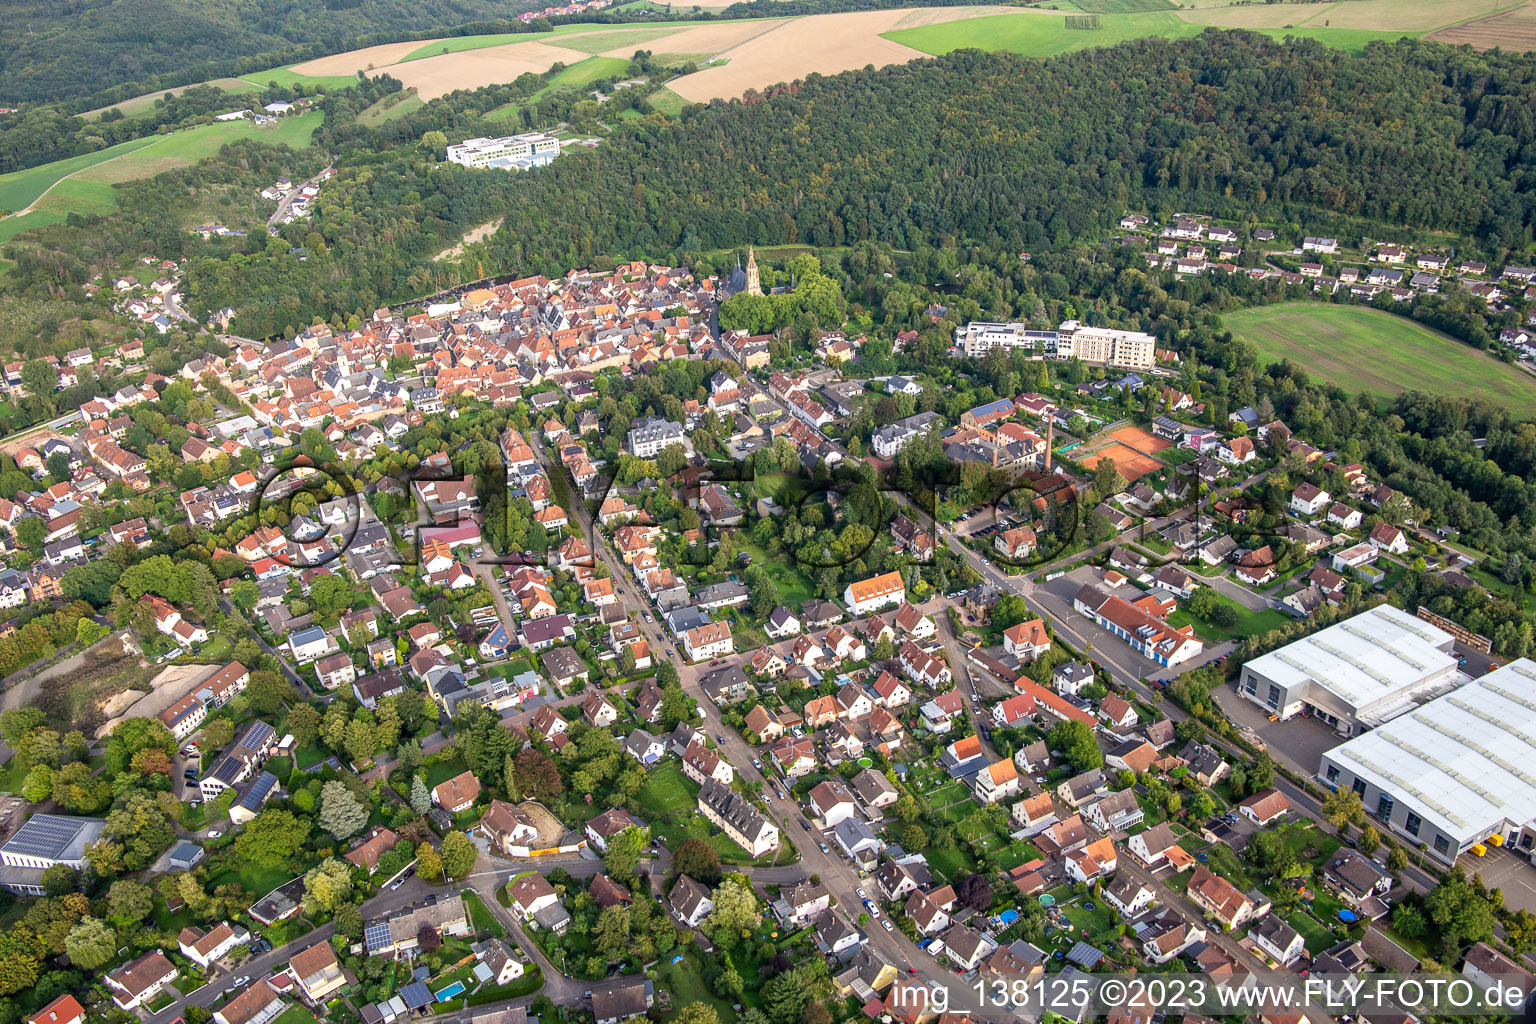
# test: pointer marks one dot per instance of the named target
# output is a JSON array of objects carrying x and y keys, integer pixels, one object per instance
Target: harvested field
[
  {"x": 824, "y": 43},
  {"x": 720, "y": 39},
  {"x": 1132, "y": 464},
  {"x": 1513, "y": 30},
  {"x": 437, "y": 76},
  {"x": 1409, "y": 16},
  {"x": 613, "y": 41},
  {"x": 366, "y": 59},
  {"x": 936, "y": 15}
]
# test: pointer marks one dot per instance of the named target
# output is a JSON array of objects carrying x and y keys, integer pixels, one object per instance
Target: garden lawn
[
  {"x": 949, "y": 864},
  {"x": 1314, "y": 934},
  {"x": 295, "y": 1014},
  {"x": 257, "y": 881},
  {"x": 795, "y": 587},
  {"x": 684, "y": 982},
  {"x": 481, "y": 915},
  {"x": 442, "y": 771},
  {"x": 1248, "y": 623}
]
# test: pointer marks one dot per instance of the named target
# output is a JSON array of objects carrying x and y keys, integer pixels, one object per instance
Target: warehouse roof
[
  {"x": 1370, "y": 663},
  {"x": 1465, "y": 762}
]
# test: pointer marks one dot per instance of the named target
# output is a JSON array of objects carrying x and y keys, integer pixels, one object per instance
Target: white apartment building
[
  {"x": 531, "y": 149},
  {"x": 1102, "y": 346}
]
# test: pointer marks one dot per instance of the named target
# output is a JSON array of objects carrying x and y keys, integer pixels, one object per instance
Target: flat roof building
[
  {"x": 43, "y": 841},
  {"x": 1454, "y": 771},
  {"x": 1355, "y": 674}
]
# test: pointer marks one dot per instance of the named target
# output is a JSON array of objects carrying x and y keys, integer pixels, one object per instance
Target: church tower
[{"x": 754, "y": 286}]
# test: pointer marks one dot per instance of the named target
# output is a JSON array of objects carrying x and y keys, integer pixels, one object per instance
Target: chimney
[{"x": 1050, "y": 436}]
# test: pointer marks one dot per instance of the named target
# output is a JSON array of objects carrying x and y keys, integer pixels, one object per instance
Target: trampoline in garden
[
  {"x": 457, "y": 988},
  {"x": 1047, "y": 900},
  {"x": 1201, "y": 856},
  {"x": 1088, "y": 906},
  {"x": 865, "y": 762}
]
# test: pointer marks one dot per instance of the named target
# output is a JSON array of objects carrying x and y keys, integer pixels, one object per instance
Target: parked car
[
  {"x": 805, "y": 825},
  {"x": 823, "y": 847},
  {"x": 885, "y": 924}
]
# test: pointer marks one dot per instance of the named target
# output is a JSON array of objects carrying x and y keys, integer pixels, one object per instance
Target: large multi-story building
[
  {"x": 510, "y": 152},
  {"x": 1355, "y": 674},
  {"x": 1452, "y": 772},
  {"x": 1101, "y": 346},
  {"x": 650, "y": 435}
]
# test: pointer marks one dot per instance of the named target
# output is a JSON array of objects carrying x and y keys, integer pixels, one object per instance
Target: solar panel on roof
[
  {"x": 376, "y": 935},
  {"x": 45, "y": 835}
]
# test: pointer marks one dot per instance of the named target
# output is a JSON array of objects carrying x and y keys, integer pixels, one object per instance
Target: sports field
[
  {"x": 1133, "y": 465},
  {"x": 1363, "y": 349}
]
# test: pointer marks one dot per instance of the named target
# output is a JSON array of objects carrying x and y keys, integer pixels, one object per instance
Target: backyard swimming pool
[{"x": 457, "y": 988}]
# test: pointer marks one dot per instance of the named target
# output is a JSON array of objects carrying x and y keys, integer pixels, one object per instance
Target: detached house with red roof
[{"x": 1027, "y": 640}]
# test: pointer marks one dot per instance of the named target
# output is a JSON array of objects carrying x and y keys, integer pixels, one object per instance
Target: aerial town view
[{"x": 777, "y": 511}]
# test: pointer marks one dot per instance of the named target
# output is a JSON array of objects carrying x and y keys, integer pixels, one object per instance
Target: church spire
[{"x": 754, "y": 285}]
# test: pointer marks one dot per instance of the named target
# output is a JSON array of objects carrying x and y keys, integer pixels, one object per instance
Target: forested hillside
[
  {"x": 1022, "y": 152},
  {"x": 56, "y": 49},
  {"x": 937, "y": 153}
]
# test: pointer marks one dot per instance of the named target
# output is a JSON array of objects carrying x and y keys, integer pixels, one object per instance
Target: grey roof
[
  {"x": 256, "y": 793},
  {"x": 1085, "y": 955},
  {"x": 56, "y": 837},
  {"x": 733, "y": 808}
]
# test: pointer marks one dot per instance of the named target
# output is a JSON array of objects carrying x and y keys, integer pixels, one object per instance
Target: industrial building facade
[
  {"x": 1457, "y": 771},
  {"x": 1355, "y": 674}
]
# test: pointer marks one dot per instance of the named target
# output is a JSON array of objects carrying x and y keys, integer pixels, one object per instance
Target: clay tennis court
[
  {"x": 1130, "y": 449},
  {"x": 1135, "y": 437},
  {"x": 1133, "y": 465}
]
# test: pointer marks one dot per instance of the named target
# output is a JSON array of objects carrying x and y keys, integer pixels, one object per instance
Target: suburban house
[
  {"x": 534, "y": 901},
  {"x": 139, "y": 981},
  {"x": 317, "y": 972},
  {"x": 66, "y": 1009},
  {"x": 690, "y": 901},
  {"x": 1264, "y": 807},
  {"x": 458, "y": 793},
  {"x": 738, "y": 819},
  {"x": 1278, "y": 940},
  {"x": 1027, "y": 640},
  {"x": 1128, "y": 895},
  {"x": 204, "y": 948},
  {"x": 1220, "y": 899},
  {"x": 877, "y": 592}
]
